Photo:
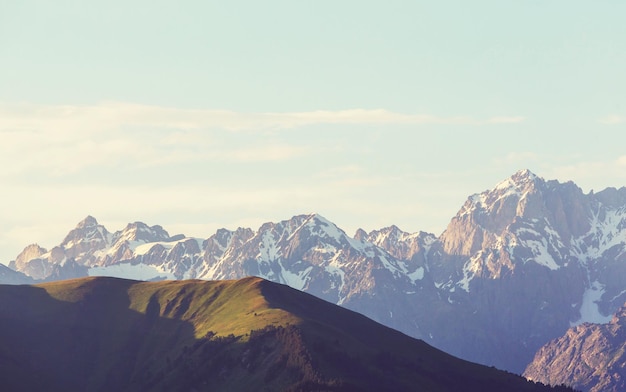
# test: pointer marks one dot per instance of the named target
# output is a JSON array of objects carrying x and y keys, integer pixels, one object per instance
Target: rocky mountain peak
[
  {"x": 520, "y": 180},
  {"x": 315, "y": 224},
  {"x": 487, "y": 216},
  {"x": 89, "y": 221},
  {"x": 139, "y": 231},
  {"x": 506, "y": 199},
  {"x": 30, "y": 262},
  {"x": 386, "y": 234},
  {"x": 518, "y": 185},
  {"x": 87, "y": 230},
  {"x": 398, "y": 243},
  {"x": 524, "y": 176},
  {"x": 85, "y": 239},
  {"x": 317, "y": 219},
  {"x": 360, "y": 235},
  {"x": 32, "y": 251}
]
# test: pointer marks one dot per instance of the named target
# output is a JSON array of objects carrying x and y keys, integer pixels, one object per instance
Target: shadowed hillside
[{"x": 102, "y": 334}]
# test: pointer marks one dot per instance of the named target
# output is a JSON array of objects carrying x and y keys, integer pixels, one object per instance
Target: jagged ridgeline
[
  {"x": 103, "y": 334},
  {"x": 515, "y": 268}
]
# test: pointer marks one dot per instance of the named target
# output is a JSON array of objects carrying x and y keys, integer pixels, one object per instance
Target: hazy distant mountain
[
  {"x": 516, "y": 267},
  {"x": 103, "y": 334},
  {"x": 9, "y": 276}
]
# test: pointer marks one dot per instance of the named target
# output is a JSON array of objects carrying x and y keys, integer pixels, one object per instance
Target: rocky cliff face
[
  {"x": 589, "y": 357},
  {"x": 516, "y": 267}
]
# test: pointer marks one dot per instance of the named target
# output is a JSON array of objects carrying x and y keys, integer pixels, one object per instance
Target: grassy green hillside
[{"x": 102, "y": 334}]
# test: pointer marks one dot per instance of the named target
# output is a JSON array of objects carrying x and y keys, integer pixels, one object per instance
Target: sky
[{"x": 198, "y": 115}]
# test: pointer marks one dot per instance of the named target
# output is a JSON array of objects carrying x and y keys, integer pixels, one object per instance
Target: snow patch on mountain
[
  {"x": 334, "y": 269},
  {"x": 297, "y": 280},
  {"x": 416, "y": 275},
  {"x": 325, "y": 248},
  {"x": 517, "y": 186},
  {"x": 607, "y": 231},
  {"x": 589, "y": 310},
  {"x": 268, "y": 249},
  {"x": 131, "y": 271},
  {"x": 395, "y": 269},
  {"x": 317, "y": 224},
  {"x": 141, "y": 248},
  {"x": 541, "y": 255},
  {"x": 470, "y": 269}
]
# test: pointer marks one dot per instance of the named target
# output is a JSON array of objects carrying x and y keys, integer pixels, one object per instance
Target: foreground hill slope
[
  {"x": 590, "y": 357},
  {"x": 112, "y": 334}
]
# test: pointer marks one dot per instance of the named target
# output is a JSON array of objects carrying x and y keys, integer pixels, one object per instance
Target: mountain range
[
  {"x": 516, "y": 267},
  {"x": 103, "y": 334}
]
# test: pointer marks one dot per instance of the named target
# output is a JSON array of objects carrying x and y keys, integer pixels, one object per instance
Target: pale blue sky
[{"x": 201, "y": 114}]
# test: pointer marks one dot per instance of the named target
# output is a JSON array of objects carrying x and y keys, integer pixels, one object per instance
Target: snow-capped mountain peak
[
  {"x": 86, "y": 230},
  {"x": 317, "y": 224},
  {"x": 520, "y": 179},
  {"x": 402, "y": 245},
  {"x": 510, "y": 191},
  {"x": 83, "y": 241},
  {"x": 89, "y": 221},
  {"x": 139, "y": 231}
]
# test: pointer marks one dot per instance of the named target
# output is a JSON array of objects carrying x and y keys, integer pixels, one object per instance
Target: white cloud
[
  {"x": 63, "y": 139},
  {"x": 596, "y": 175},
  {"x": 273, "y": 152},
  {"x": 613, "y": 119},
  {"x": 341, "y": 171},
  {"x": 378, "y": 116},
  {"x": 506, "y": 120},
  {"x": 111, "y": 115}
]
